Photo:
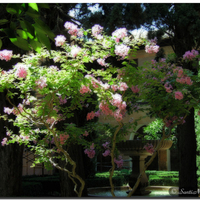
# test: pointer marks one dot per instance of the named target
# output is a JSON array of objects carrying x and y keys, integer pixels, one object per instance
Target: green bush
[{"x": 156, "y": 180}]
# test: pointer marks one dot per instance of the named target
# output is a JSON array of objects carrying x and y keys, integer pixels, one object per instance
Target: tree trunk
[
  {"x": 66, "y": 184},
  {"x": 11, "y": 159},
  {"x": 187, "y": 157}
]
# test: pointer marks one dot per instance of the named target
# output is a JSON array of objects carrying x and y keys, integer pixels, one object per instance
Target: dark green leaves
[{"x": 25, "y": 29}]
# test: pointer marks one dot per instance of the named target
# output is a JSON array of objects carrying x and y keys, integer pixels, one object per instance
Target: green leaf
[
  {"x": 44, "y": 39},
  {"x": 85, "y": 59},
  {"x": 0, "y": 43},
  {"x": 43, "y": 5},
  {"x": 32, "y": 13},
  {"x": 41, "y": 27},
  {"x": 22, "y": 34},
  {"x": 33, "y": 6},
  {"x": 85, "y": 32},
  {"x": 26, "y": 26},
  {"x": 11, "y": 8},
  {"x": 3, "y": 21},
  {"x": 21, "y": 43}
]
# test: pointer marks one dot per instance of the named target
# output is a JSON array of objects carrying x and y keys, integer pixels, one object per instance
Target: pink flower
[
  {"x": 90, "y": 153},
  {"x": 60, "y": 40},
  {"x": 102, "y": 62},
  {"x": 86, "y": 134},
  {"x": 106, "y": 145},
  {"x": 118, "y": 116},
  {"x": 6, "y": 54},
  {"x": 119, "y": 34},
  {"x": 75, "y": 50},
  {"x": 123, "y": 86},
  {"x": 168, "y": 87},
  {"x": 97, "y": 114},
  {"x": 121, "y": 50},
  {"x": 21, "y": 71},
  {"x": 62, "y": 101},
  {"x": 41, "y": 83},
  {"x": 8, "y": 133},
  {"x": 178, "y": 95},
  {"x": 152, "y": 48},
  {"x": 188, "y": 81},
  {"x": 84, "y": 89},
  {"x": 73, "y": 29},
  {"x": 190, "y": 55},
  {"x": 117, "y": 100},
  {"x": 4, "y": 141},
  {"x": 119, "y": 162},
  {"x": 96, "y": 30},
  {"x": 105, "y": 108},
  {"x": 149, "y": 148},
  {"x": 8, "y": 110},
  {"x": 63, "y": 138},
  {"x": 50, "y": 120},
  {"x": 135, "y": 89},
  {"x": 90, "y": 115},
  {"x": 114, "y": 87},
  {"x": 106, "y": 153}
]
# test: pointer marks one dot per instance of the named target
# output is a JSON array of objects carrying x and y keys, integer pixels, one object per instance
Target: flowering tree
[
  {"x": 45, "y": 90},
  {"x": 170, "y": 91}
]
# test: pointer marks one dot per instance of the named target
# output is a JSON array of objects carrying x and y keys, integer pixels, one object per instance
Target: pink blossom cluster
[
  {"x": 102, "y": 62},
  {"x": 105, "y": 108},
  {"x": 21, "y": 70},
  {"x": 106, "y": 86},
  {"x": 42, "y": 82},
  {"x": 92, "y": 114},
  {"x": 178, "y": 95},
  {"x": 183, "y": 79},
  {"x": 6, "y": 54},
  {"x": 4, "y": 141},
  {"x": 8, "y": 110},
  {"x": 62, "y": 101},
  {"x": 107, "y": 150},
  {"x": 119, "y": 161},
  {"x": 96, "y": 30},
  {"x": 60, "y": 40},
  {"x": 119, "y": 34},
  {"x": 84, "y": 89},
  {"x": 19, "y": 110},
  {"x": 135, "y": 89},
  {"x": 50, "y": 120},
  {"x": 149, "y": 148},
  {"x": 190, "y": 55},
  {"x": 152, "y": 48},
  {"x": 122, "y": 50},
  {"x": 75, "y": 50},
  {"x": 170, "y": 121},
  {"x": 90, "y": 152},
  {"x": 106, "y": 153},
  {"x": 63, "y": 138},
  {"x": 73, "y": 29},
  {"x": 168, "y": 87},
  {"x": 85, "y": 134},
  {"x": 122, "y": 86},
  {"x": 8, "y": 133},
  {"x": 106, "y": 145}
]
